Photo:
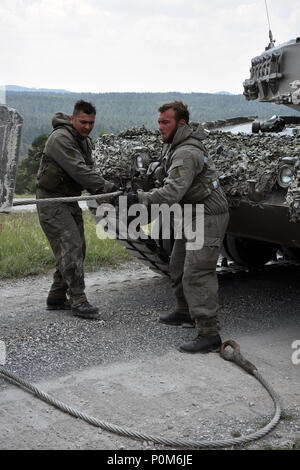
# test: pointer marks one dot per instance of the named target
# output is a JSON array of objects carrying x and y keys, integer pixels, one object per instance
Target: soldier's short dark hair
[
  {"x": 180, "y": 109},
  {"x": 85, "y": 107}
]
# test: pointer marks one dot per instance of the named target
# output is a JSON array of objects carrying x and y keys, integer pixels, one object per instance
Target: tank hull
[{"x": 268, "y": 221}]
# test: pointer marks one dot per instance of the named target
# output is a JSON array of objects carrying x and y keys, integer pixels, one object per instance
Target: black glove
[
  {"x": 132, "y": 198},
  {"x": 116, "y": 188}
]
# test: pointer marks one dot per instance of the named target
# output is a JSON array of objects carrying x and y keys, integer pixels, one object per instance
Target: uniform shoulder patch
[
  {"x": 174, "y": 174},
  {"x": 71, "y": 153}
]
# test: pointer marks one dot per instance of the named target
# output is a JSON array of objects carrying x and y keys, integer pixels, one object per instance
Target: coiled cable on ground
[{"x": 183, "y": 443}]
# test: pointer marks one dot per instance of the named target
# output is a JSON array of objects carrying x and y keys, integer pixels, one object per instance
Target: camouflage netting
[
  {"x": 246, "y": 156},
  {"x": 293, "y": 198},
  {"x": 114, "y": 154},
  {"x": 238, "y": 158}
]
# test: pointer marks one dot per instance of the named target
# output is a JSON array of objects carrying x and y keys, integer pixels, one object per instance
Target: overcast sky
[{"x": 138, "y": 45}]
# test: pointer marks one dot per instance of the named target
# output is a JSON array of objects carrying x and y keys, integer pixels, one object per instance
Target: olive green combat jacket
[
  {"x": 66, "y": 164},
  {"x": 189, "y": 176}
]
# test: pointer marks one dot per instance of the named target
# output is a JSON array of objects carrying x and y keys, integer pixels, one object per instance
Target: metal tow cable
[
  {"x": 234, "y": 356},
  {"x": 101, "y": 197}
]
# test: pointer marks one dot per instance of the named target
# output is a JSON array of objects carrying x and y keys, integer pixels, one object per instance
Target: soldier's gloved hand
[
  {"x": 132, "y": 198},
  {"x": 116, "y": 188}
]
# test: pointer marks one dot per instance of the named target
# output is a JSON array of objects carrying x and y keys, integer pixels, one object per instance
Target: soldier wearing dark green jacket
[
  {"x": 65, "y": 170},
  {"x": 190, "y": 178}
]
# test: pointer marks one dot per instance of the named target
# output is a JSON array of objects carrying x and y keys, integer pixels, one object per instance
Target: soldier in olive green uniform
[
  {"x": 65, "y": 170},
  {"x": 190, "y": 178}
]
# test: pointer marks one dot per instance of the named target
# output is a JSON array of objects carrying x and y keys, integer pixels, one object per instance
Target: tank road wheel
[{"x": 248, "y": 252}]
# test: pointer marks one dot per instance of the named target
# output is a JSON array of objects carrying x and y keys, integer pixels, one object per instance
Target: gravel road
[{"x": 126, "y": 369}]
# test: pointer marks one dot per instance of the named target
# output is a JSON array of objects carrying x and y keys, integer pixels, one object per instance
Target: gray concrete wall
[{"x": 10, "y": 136}]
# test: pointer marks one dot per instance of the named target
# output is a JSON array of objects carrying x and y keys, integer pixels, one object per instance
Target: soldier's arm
[
  {"x": 180, "y": 176},
  {"x": 63, "y": 150}
]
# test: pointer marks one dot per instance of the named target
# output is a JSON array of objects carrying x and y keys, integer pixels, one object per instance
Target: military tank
[
  {"x": 258, "y": 165},
  {"x": 266, "y": 217}
]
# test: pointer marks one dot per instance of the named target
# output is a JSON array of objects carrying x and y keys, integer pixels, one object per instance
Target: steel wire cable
[{"x": 133, "y": 434}]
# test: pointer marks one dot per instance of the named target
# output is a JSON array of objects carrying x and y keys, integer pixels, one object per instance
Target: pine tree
[{"x": 28, "y": 167}]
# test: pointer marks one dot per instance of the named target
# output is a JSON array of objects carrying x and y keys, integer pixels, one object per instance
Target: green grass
[
  {"x": 24, "y": 196},
  {"x": 24, "y": 249}
]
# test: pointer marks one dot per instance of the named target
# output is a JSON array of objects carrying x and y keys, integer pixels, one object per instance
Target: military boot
[
  {"x": 202, "y": 344},
  {"x": 176, "y": 318},
  {"x": 58, "y": 304},
  {"x": 86, "y": 310}
]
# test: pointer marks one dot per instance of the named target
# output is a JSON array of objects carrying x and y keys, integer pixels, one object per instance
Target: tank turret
[{"x": 275, "y": 75}]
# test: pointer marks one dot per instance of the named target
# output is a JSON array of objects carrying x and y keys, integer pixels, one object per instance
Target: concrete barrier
[{"x": 10, "y": 136}]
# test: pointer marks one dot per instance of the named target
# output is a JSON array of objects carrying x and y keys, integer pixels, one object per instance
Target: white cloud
[{"x": 138, "y": 45}]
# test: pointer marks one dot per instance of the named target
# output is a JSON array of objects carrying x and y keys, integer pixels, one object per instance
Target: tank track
[
  {"x": 157, "y": 259},
  {"x": 149, "y": 253},
  {"x": 145, "y": 249}
]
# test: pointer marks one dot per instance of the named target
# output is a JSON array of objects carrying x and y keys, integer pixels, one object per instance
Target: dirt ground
[{"x": 126, "y": 368}]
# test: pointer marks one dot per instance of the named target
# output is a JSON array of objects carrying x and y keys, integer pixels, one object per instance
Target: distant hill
[
  {"x": 18, "y": 88},
  {"x": 223, "y": 93},
  {"x": 119, "y": 111}
]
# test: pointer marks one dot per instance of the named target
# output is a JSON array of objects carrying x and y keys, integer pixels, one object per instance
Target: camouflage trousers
[
  {"x": 63, "y": 226},
  {"x": 194, "y": 278}
]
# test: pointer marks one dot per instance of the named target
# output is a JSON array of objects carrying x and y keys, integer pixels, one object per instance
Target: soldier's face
[
  {"x": 167, "y": 125},
  {"x": 83, "y": 123}
]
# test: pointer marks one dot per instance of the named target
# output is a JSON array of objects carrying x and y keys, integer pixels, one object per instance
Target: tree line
[
  {"x": 115, "y": 113},
  {"x": 119, "y": 111}
]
